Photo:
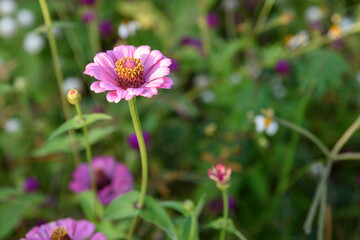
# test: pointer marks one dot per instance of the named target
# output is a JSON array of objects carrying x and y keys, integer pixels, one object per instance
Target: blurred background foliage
[{"x": 224, "y": 73}]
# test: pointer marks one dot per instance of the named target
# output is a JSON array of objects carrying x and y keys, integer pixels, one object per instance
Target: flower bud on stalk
[{"x": 73, "y": 96}]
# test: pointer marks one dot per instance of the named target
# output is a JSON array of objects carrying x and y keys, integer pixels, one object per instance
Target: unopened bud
[
  {"x": 73, "y": 96},
  {"x": 188, "y": 205}
]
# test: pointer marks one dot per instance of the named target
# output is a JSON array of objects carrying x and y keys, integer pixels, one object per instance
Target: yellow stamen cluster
[
  {"x": 130, "y": 72},
  {"x": 59, "y": 233},
  {"x": 267, "y": 121}
]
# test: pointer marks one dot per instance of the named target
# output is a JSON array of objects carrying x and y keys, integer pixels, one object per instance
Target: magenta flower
[
  {"x": 87, "y": 2},
  {"x": 31, "y": 184},
  {"x": 220, "y": 174},
  {"x": 128, "y": 71},
  {"x": 113, "y": 179},
  {"x": 283, "y": 67},
  {"x": 88, "y": 16},
  {"x": 133, "y": 142},
  {"x": 212, "y": 20},
  {"x": 65, "y": 229},
  {"x": 216, "y": 205},
  {"x": 106, "y": 27}
]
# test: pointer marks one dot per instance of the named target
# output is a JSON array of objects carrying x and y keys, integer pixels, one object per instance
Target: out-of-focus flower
[
  {"x": 87, "y": 2},
  {"x": 266, "y": 124},
  {"x": 346, "y": 23},
  {"x": 201, "y": 80},
  {"x": 31, "y": 184},
  {"x": 25, "y": 18},
  {"x": 254, "y": 69},
  {"x": 279, "y": 90},
  {"x": 230, "y": 4},
  {"x": 298, "y": 40},
  {"x": 210, "y": 129},
  {"x": 106, "y": 27},
  {"x": 212, "y": 20},
  {"x": 335, "y": 32},
  {"x": 193, "y": 42},
  {"x": 65, "y": 229},
  {"x": 314, "y": 14},
  {"x": 112, "y": 179},
  {"x": 174, "y": 65},
  {"x": 337, "y": 44},
  {"x": 20, "y": 84},
  {"x": 207, "y": 96},
  {"x": 88, "y": 16},
  {"x": 72, "y": 82},
  {"x": 235, "y": 78},
  {"x": 7, "y": 7},
  {"x": 216, "y": 205},
  {"x": 283, "y": 67},
  {"x": 12, "y": 125},
  {"x": 287, "y": 16},
  {"x": 33, "y": 43},
  {"x": 133, "y": 142},
  {"x": 128, "y": 71},
  {"x": 316, "y": 169},
  {"x": 8, "y": 27},
  {"x": 220, "y": 174},
  {"x": 127, "y": 29}
]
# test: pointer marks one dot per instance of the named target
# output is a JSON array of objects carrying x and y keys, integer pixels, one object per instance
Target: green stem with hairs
[
  {"x": 88, "y": 156},
  {"x": 225, "y": 213},
  {"x": 59, "y": 76},
  {"x": 144, "y": 162},
  {"x": 265, "y": 11}
]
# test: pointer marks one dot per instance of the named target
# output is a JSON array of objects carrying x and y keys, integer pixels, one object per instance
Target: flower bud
[
  {"x": 188, "y": 205},
  {"x": 73, "y": 96}
]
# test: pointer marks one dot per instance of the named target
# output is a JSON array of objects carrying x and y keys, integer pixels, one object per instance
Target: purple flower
[
  {"x": 174, "y": 65},
  {"x": 212, "y": 20},
  {"x": 87, "y": 2},
  {"x": 88, "y": 16},
  {"x": 133, "y": 142},
  {"x": 216, "y": 205},
  {"x": 113, "y": 179},
  {"x": 65, "y": 229},
  {"x": 337, "y": 44},
  {"x": 283, "y": 67},
  {"x": 106, "y": 27},
  {"x": 31, "y": 184},
  {"x": 193, "y": 42}
]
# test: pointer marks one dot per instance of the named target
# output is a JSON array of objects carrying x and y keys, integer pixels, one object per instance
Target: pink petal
[
  {"x": 102, "y": 73},
  {"x": 154, "y": 83},
  {"x": 83, "y": 229},
  {"x": 160, "y": 64},
  {"x": 124, "y": 51},
  {"x": 142, "y": 53},
  {"x": 108, "y": 86},
  {"x": 98, "y": 236},
  {"x": 122, "y": 93},
  {"x": 129, "y": 96},
  {"x": 95, "y": 86},
  {"x": 168, "y": 82},
  {"x": 103, "y": 59},
  {"x": 135, "y": 91},
  {"x": 147, "y": 93},
  {"x": 113, "y": 97},
  {"x": 158, "y": 73},
  {"x": 153, "y": 58}
]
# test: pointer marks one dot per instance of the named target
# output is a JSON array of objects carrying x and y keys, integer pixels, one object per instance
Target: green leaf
[
  {"x": 113, "y": 231},
  {"x": 122, "y": 207},
  {"x": 187, "y": 228},
  {"x": 55, "y": 24},
  {"x": 219, "y": 223},
  {"x": 87, "y": 204},
  {"x": 156, "y": 214},
  {"x": 200, "y": 205},
  {"x": 7, "y": 192},
  {"x": 10, "y": 216},
  {"x": 5, "y": 88},
  {"x": 76, "y": 123},
  {"x": 175, "y": 205},
  {"x": 62, "y": 144}
]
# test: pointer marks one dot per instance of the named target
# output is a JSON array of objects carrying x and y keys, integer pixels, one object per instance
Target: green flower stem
[
  {"x": 193, "y": 227},
  {"x": 94, "y": 36},
  {"x": 88, "y": 156},
  {"x": 225, "y": 213},
  {"x": 347, "y": 156},
  {"x": 144, "y": 161},
  {"x": 204, "y": 29},
  {"x": 321, "y": 189},
  {"x": 59, "y": 75},
  {"x": 265, "y": 11}
]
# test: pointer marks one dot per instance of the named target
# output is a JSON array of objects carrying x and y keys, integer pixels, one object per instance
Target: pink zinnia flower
[
  {"x": 65, "y": 229},
  {"x": 112, "y": 179},
  {"x": 128, "y": 71},
  {"x": 220, "y": 174}
]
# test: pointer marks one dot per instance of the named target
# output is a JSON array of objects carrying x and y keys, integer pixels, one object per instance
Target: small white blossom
[
  {"x": 25, "y": 18},
  {"x": 207, "y": 96},
  {"x": 201, "y": 80},
  {"x": 266, "y": 124},
  {"x": 72, "y": 82},
  {"x": 12, "y": 125},
  {"x": 33, "y": 43},
  {"x": 298, "y": 40},
  {"x": 235, "y": 78},
  {"x": 7, "y": 7},
  {"x": 128, "y": 29},
  {"x": 314, "y": 14},
  {"x": 279, "y": 90},
  {"x": 346, "y": 23},
  {"x": 316, "y": 169},
  {"x": 20, "y": 84},
  {"x": 8, "y": 27}
]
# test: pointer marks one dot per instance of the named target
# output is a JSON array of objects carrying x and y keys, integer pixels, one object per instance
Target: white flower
[
  {"x": 266, "y": 124},
  {"x": 128, "y": 29},
  {"x": 314, "y": 14},
  {"x": 299, "y": 40},
  {"x": 235, "y": 78},
  {"x": 33, "y": 43},
  {"x": 26, "y": 18},
  {"x": 72, "y": 82},
  {"x": 346, "y": 24},
  {"x": 279, "y": 90},
  {"x": 8, "y": 27},
  {"x": 229, "y": 4},
  {"x": 316, "y": 169},
  {"x": 7, "y": 7},
  {"x": 201, "y": 80},
  {"x": 12, "y": 125},
  {"x": 207, "y": 96},
  {"x": 20, "y": 84}
]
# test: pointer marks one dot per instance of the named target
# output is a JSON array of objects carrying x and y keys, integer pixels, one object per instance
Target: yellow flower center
[
  {"x": 130, "y": 72},
  {"x": 59, "y": 233},
  {"x": 267, "y": 121}
]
